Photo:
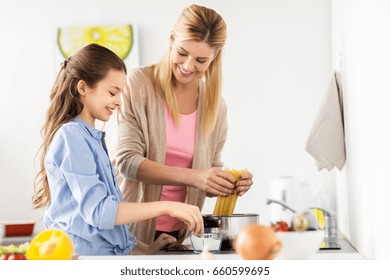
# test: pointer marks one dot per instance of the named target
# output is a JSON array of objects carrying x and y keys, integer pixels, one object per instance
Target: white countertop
[
  {"x": 318, "y": 256},
  {"x": 347, "y": 252}
]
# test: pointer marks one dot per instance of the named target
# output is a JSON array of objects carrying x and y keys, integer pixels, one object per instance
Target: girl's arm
[{"x": 129, "y": 212}]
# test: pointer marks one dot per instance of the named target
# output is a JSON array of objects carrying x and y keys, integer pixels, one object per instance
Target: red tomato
[
  {"x": 281, "y": 226},
  {"x": 5, "y": 256},
  {"x": 17, "y": 256}
]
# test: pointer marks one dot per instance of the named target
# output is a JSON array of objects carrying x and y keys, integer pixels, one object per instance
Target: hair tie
[{"x": 65, "y": 63}]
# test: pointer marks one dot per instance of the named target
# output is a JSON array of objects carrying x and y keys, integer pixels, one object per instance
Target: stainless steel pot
[{"x": 229, "y": 226}]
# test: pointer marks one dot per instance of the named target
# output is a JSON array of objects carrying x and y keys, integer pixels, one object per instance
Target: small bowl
[
  {"x": 299, "y": 245},
  {"x": 211, "y": 241},
  {"x": 16, "y": 229}
]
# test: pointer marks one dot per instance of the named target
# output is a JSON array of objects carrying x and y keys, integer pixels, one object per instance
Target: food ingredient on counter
[
  {"x": 13, "y": 257},
  {"x": 304, "y": 221},
  {"x": 257, "y": 242},
  {"x": 299, "y": 223},
  {"x": 280, "y": 226},
  {"x": 12, "y": 252},
  {"x": 50, "y": 244},
  {"x": 206, "y": 254}
]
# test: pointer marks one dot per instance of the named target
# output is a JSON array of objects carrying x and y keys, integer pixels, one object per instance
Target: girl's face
[
  {"x": 101, "y": 100},
  {"x": 190, "y": 60}
]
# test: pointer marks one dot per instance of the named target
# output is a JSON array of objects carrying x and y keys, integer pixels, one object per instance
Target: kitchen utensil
[
  {"x": 229, "y": 226},
  {"x": 11, "y": 229},
  {"x": 299, "y": 245},
  {"x": 207, "y": 241}
]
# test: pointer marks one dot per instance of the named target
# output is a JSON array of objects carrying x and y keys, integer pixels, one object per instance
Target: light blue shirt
[{"x": 84, "y": 192}]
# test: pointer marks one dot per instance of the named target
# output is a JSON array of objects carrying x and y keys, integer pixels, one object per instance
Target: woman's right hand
[
  {"x": 214, "y": 181},
  {"x": 189, "y": 214}
]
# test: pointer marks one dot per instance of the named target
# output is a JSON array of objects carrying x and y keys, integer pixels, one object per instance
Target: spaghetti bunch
[{"x": 225, "y": 204}]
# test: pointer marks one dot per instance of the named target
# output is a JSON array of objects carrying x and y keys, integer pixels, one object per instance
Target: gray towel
[{"x": 326, "y": 140}]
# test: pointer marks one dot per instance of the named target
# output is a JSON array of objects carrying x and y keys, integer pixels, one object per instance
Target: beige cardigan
[{"x": 141, "y": 135}]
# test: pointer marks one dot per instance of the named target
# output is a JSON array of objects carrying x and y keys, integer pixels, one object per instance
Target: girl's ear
[{"x": 82, "y": 87}]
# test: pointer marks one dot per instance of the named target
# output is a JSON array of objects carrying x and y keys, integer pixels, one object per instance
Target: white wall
[
  {"x": 361, "y": 34},
  {"x": 276, "y": 68}
]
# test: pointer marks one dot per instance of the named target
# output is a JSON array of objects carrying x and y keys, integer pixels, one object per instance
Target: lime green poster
[{"x": 121, "y": 39}]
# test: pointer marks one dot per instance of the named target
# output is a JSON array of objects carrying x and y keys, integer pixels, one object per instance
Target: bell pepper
[{"x": 50, "y": 244}]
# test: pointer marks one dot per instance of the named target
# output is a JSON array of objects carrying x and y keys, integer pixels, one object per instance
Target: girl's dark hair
[{"x": 90, "y": 64}]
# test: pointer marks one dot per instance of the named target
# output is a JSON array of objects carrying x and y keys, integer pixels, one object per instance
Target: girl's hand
[
  {"x": 245, "y": 183},
  {"x": 214, "y": 181},
  {"x": 189, "y": 214}
]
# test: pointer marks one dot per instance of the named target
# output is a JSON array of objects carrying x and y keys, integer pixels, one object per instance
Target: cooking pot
[{"x": 229, "y": 226}]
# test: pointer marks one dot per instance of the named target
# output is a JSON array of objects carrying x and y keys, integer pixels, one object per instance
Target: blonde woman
[
  {"x": 173, "y": 125},
  {"x": 76, "y": 181}
]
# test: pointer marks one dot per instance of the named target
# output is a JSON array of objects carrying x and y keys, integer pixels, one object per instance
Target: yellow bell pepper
[{"x": 50, "y": 244}]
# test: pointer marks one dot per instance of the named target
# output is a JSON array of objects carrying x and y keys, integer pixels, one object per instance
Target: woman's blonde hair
[
  {"x": 90, "y": 64},
  {"x": 200, "y": 24}
]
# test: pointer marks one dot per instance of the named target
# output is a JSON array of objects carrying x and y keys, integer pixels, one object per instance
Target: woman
[
  {"x": 172, "y": 125},
  {"x": 76, "y": 181}
]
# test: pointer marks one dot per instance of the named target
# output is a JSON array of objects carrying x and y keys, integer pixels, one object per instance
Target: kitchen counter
[
  {"x": 233, "y": 256},
  {"x": 346, "y": 252}
]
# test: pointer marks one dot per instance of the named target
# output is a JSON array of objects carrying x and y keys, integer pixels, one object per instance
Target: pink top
[{"x": 180, "y": 142}]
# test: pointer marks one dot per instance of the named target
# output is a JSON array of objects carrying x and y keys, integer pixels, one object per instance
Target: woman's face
[
  {"x": 190, "y": 60},
  {"x": 101, "y": 101}
]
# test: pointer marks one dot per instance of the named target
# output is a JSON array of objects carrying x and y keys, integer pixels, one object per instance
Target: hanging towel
[{"x": 326, "y": 141}]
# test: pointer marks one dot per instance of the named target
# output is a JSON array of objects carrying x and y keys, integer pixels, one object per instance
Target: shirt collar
[{"x": 97, "y": 134}]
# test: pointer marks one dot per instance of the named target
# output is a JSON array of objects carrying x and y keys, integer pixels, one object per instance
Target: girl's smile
[
  {"x": 101, "y": 101},
  {"x": 110, "y": 110}
]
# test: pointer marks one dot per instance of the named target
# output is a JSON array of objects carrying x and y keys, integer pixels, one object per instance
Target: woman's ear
[
  {"x": 171, "y": 39},
  {"x": 216, "y": 53},
  {"x": 82, "y": 87}
]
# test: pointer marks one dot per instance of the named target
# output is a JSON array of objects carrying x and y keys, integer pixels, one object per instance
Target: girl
[{"x": 76, "y": 181}]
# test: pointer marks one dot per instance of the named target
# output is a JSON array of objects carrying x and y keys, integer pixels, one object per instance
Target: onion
[
  {"x": 257, "y": 242},
  {"x": 304, "y": 221},
  {"x": 299, "y": 223}
]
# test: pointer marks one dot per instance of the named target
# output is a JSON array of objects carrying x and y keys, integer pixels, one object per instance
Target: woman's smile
[{"x": 184, "y": 72}]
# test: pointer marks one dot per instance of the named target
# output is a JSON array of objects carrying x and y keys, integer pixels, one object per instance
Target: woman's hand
[
  {"x": 163, "y": 241},
  {"x": 214, "y": 181},
  {"x": 245, "y": 183},
  {"x": 187, "y": 213}
]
